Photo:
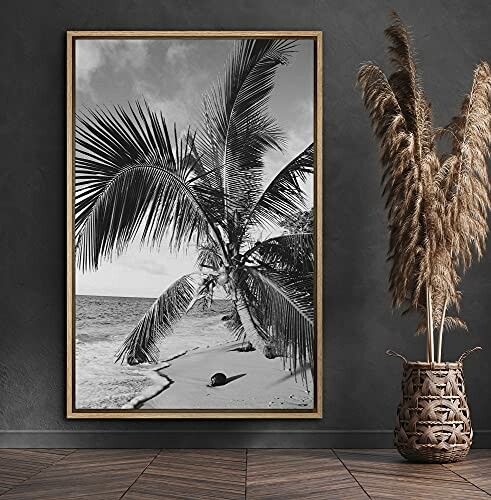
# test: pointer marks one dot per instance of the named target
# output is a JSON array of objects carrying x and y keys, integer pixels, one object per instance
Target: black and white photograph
[{"x": 194, "y": 233}]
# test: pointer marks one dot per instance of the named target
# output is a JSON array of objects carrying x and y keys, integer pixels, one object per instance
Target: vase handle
[
  {"x": 393, "y": 353},
  {"x": 466, "y": 353}
]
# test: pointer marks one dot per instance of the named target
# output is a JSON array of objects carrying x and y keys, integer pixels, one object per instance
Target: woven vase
[{"x": 433, "y": 420}]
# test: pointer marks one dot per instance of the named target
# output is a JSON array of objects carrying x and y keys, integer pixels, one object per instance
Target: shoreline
[
  {"x": 103, "y": 324},
  {"x": 182, "y": 381},
  {"x": 161, "y": 382}
]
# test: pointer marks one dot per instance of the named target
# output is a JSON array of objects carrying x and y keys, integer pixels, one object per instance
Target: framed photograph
[{"x": 194, "y": 224}]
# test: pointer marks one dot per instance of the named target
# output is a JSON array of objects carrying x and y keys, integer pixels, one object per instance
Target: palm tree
[{"x": 204, "y": 188}]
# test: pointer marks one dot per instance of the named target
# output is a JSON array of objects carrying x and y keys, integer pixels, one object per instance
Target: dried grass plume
[{"x": 437, "y": 205}]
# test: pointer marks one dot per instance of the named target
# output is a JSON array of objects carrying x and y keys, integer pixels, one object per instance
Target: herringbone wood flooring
[{"x": 256, "y": 474}]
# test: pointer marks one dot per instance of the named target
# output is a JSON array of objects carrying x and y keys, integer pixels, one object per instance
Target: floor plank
[
  {"x": 19, "y": 465},
  {"x": 384, "y": 474},
  {"x": 192, "y": 474},
  {"x": 294, "y": 474},
  {"x": 257, "y": 474},
  {"x": 104, "y": 474},
  {"x": 476, "y": 469}
]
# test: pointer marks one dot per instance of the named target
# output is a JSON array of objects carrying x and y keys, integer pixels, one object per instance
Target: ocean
[{"x": 102, "y": 323}]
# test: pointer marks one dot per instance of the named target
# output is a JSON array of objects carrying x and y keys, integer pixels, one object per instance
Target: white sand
[{"x": 255, "y": 382}]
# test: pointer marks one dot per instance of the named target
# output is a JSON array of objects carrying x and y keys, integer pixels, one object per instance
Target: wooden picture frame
[{"x": 140, "y": 413}]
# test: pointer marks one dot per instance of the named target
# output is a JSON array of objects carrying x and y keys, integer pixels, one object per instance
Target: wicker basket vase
[{"x": 433, "y": 422}]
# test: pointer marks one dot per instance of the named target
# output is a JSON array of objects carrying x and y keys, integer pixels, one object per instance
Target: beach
[
  {"x": 253, "y": 382},
  {"x": 200, "y": 346}
]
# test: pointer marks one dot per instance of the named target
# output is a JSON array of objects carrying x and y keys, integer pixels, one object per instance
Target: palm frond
[
  {"x": 129, "y": 178},
  {"x": 237, "y": 128},
  {"x": 141, "y": 345},
  {"x": 284, "y": 195},
  {"x": 283, "y": 306},
  {"x": 301, "y": 221},
  {"x": 289, "y": 252},
  {"x": 209, "y": 255}
]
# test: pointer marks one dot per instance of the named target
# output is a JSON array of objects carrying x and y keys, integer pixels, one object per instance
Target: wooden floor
[{"x": 236, "y": 474}]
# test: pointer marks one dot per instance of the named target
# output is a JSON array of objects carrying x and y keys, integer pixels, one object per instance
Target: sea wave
[{"x": 102, "y": 323}]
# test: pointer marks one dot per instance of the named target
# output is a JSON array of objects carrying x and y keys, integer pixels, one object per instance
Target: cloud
[
  {"x": 139, "y": 272},
  {"x": 177, "y": 86},
  {"x": 88, "y": 57},
  {"x": 178, "y": 52},
  {"x": 299, "y": 133},
  {"x": 170, "y": 74},
  {"x": 174, "y": 109},
  {"x": 92, "y": 55},
  {"x": 127, "y": 53},
  {"x": 151, "y": 264}
]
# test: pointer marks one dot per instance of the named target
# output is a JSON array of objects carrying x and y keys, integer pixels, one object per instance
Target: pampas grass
[{"x": 437, "y": 205}]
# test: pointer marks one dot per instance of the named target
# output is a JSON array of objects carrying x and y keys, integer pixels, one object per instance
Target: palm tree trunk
[{"x": 251, "y": 332}]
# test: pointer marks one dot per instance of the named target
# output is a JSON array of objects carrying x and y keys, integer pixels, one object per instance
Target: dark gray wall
[{"x": 361, "y": 385}]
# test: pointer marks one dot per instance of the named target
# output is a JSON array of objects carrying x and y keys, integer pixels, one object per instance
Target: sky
[{"x": 172, "y": 75}]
